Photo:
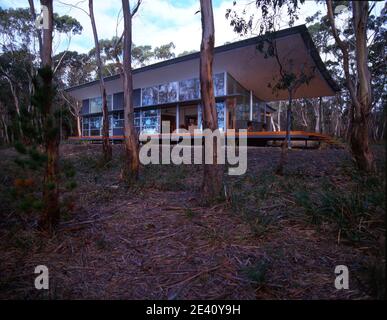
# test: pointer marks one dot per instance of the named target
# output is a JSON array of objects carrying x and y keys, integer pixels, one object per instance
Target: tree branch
[{"x": 344, "y": 49}]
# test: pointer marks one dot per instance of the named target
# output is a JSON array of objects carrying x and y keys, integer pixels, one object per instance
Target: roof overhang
[{"x": 247, "y": 65}]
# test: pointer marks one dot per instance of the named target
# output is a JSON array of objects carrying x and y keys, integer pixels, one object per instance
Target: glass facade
[
  {"x": 137, "y": 121},
  {"x": 189, "y": 89},
  {"x": 256, "y": 109},
  {"x": 150, "y": 121},
  {"x": 136, "y": 98},
  {"x": 85, "y": 127},
  {"x": 221, "y": 118},
  {"x": 185, "y": 90},
  {"x": 168, "y": 92},
  {"x": 242, "y": 109},
  {"x": 117, "y": 120},
  {"x": 226, "y": 89},
  {"x": 95, "y": 126},
  {"x": 95, "y": 104},
  {"x": 92, "y": 126},
  {"x": 234, "y": 87},
  {"x": 150, "y": 96},
  {"x": 219, "y": 84}
]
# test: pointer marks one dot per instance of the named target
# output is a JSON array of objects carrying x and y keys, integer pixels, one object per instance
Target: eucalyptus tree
[
  {"x": 106, "y": 146},
  {"x": 43, "y": 99},
  {"x": 132, "y": 163},
  {"x": 212, "y": 173},
  {"x": 360, "y": 90}
]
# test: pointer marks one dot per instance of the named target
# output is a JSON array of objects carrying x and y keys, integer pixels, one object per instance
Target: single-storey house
[{"x": 170, "y": 90}]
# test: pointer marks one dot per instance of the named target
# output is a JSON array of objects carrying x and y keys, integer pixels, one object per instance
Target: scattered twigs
[{"x": 196, "y": 275}]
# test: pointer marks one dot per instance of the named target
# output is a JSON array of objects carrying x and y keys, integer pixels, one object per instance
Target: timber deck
[{"x": 260, "y": 137}]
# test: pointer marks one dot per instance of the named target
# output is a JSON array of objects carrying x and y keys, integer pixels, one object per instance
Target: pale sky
[{"x": 157, "y": 22}]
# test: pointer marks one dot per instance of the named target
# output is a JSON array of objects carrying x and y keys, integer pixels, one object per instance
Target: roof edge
[{"x": 301, "y": 29}]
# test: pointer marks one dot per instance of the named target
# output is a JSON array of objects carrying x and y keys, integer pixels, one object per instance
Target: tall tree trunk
[
  {"x": 320, "y": 115},
  {"x": 16, "y": 102},
  {"x": 106, "y": 146},
  {"x": 317, "y": 114},
  {"x": 6, "y": 136},
  {"x": 359, "y": 139},
  {"x": 360, "y": 93},
  {"x": 79, "y": 129},
  {"x": 50, "y": 215},
  {"x": 279, "y": 116},
  {"x": 289, "y": 119},
  {"x": 286, "y": 143},
  {"x": 33, "y": 14},
  {"x": 213, "y": 173},
  {"x": 132, "y": 162}
]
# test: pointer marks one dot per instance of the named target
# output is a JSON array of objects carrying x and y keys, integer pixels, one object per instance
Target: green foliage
[
  {"x": 346, "y": 209},
  {"x": 246, "y": 196},
  {"x": 165, "y": 177},
  {"x": 269, "y": 10},
  {"x": 29, "y": 184}
]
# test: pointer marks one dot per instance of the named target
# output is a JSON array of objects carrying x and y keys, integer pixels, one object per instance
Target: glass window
[
  {"x": 109, "y": 102},
  {"x": 200, "y": 117},
  {"x": 189, "y": 89},
  {"x": 233, "y": 87},
  {"x": 137, "y": 121},
  {"x": 95, "y": 126},
  {"x": 85, "y": 126},
  {"x": 85, "y": 106},
  {"x": 220, "y": 111},
  {"x": 150, "y": 96},
  {"x": 256, "y": 111},
  {"x": 168, "y": 92},
  {"x": 96, "y": 104},
  {"x": 150, "y": 121},
  {"x": 137, "y": 97},
  {"x": 118, "y": 120},
  {"x": 242, "y": 109},
  {"x": 258, "y": 107},
  {"x": 219, "y": 84}
]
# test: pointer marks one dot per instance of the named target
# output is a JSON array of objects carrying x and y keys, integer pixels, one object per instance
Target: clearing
[{"x": 273, "y": 237}]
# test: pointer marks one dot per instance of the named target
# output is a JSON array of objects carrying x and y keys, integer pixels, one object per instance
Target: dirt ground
[{"x": 271, "y": 237}]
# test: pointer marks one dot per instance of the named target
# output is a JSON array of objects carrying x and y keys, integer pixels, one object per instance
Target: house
[{"x": 170, "y": 90}]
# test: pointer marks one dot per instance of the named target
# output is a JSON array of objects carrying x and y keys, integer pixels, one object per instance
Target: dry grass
[{"x": 154, "y": 240}]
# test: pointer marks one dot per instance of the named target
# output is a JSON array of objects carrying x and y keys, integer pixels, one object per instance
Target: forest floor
[{"x": 272, "y": 237}]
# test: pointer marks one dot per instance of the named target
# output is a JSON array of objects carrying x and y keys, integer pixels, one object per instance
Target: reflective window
[
  {"x": 258, "y": 107},
  {"x": 137, "y": 97},
  {"x": 95, "y": 126},
  {"x": 150, "y": 96},
  {"x": 137, "y": 121},
  {"x": 85, "y": 126},
  {"x": 200, "y": 117},
  {"x": 150, "y": 121},
  {"x": 189, "y": 89},
  {"x": 233, "y": 87},
  {"x": 220, "y": 111},
  {"x": 118, "y": 120},
  {"x": 219, "y": 84},
  {"x": 96, "y": 104},
  {"x": 168, "y": 92},
  {"x": 242, "y": 109}
]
